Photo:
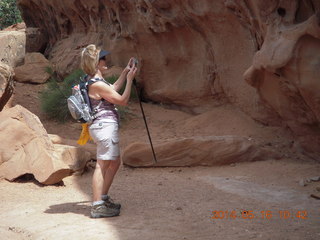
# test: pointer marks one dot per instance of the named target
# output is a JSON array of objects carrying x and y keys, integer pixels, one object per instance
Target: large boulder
[
  {"x": 27, "y": 149},
  {"x": 76, "y": 158},
  {"x": 6, "y": 84},
  {"x": 204, "y": 151},
  {"x": 88, "y": 148},
  {"x": 34, "y": 69},
  {"x": 12, "y": 47}
]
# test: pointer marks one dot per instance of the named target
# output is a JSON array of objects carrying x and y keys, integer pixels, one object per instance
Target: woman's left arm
[{"x": 120, "y": 81}]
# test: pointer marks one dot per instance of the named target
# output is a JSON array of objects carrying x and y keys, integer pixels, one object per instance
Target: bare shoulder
[{"x": 102, "y": 89}]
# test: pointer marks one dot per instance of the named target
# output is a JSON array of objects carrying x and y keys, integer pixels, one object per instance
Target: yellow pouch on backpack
[{"x": 85, "y": 135}]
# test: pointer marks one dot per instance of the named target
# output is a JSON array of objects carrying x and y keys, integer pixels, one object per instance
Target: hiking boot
[
  {"x": 111, "y": 204},
  {"x": 101, "y": 210}
]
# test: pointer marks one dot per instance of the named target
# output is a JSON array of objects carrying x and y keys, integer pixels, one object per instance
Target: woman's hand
[
  {"x": 129, "y": 65},
  {"x": 131, "y": 74}
]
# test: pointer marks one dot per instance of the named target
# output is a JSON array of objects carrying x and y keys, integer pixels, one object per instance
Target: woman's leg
[
  {"x": 99, "y": 179},
  {"x": 99, "y": 208},
  {"x": 109, "y": 174}
]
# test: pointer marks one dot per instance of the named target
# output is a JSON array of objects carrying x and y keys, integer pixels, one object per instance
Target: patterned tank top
[{"x": 104, "y": 110}]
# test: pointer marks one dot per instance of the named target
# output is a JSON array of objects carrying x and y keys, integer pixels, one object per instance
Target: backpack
[{"x": 79, "y": 102}]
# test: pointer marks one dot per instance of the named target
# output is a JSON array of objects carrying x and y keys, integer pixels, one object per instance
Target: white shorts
[{"x": 106, "y": 136}]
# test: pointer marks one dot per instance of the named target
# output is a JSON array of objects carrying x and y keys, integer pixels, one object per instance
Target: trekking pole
[{"x": 145, "y": 121}]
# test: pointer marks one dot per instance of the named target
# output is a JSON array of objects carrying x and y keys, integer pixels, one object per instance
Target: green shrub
[
  {"x": 9, "y": 13},
  {"x": 54, "y": 97}
]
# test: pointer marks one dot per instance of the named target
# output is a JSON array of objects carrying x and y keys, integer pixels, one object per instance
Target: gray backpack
[{"x": 79, "y": 102}]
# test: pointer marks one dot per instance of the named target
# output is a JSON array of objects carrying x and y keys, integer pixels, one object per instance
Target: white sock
[{"x": 95, "y": 203}]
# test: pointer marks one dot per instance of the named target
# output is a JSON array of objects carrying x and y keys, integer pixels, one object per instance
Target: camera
[{"x": 135, "y": 62}]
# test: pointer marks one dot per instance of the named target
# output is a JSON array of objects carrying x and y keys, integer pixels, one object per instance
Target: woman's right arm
[{"x": 119, "y": 83}]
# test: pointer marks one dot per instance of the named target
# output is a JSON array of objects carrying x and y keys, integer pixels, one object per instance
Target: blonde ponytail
[{"x": 90, "y": 59}]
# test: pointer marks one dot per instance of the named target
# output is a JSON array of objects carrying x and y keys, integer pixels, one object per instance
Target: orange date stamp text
[{"x": 265, "y": 214}]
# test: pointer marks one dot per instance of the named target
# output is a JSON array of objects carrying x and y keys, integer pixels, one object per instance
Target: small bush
[
  {"x": 54, "y": 97},
  {"x": 9, "y": 13}
]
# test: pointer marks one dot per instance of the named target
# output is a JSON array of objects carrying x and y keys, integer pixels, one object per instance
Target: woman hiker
[{"x": 104, "y": 129}]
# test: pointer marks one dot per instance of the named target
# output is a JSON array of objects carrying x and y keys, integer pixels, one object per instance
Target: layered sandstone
[
  {"x": 195, "y": 151},
  {"x": 27, "y": 149},
  {"x": 6, "y": 84},
  {"x": 34, "y": 69},
  {"x": 262, "y": 56},
  {"x": 12, "y": 47}
]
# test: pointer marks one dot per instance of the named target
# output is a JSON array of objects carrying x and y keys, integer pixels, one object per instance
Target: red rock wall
[
  {"x": 262, "y": 56},
  {"x": 189, "y": 51}
]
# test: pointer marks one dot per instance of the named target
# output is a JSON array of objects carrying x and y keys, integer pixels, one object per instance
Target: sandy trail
[{"x": 170, "y": 203}]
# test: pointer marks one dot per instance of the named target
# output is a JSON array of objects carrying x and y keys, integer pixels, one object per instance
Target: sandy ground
[
  {"x": 171, "y": 203},
  {"x": 258, "y": 200}
]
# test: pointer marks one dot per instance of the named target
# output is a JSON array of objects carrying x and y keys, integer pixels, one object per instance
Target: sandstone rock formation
[
  {"x": 113, "y": 71},
  {"x": 6, "y": 84},
  {"x": 76, "y": 158},
  {"x": 12, "y": 47},
  {"x": 26, "y": 148},
  {"x": 285, "y": 72},
  {"x": 205, "y": 151},
  {"x": 16, "y": 27},
  {"x": 88, "y": 148},
  {"x": 33, "y": 70},
  {"x": 197, "y": 54},
  {"x": 35, "y": 40},
  {"x": 178, "y": 43}
]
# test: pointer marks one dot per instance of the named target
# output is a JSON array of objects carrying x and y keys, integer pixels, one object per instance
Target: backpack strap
[
  {"x": 83, "y": 85},
  {"x": 94, "y": 80}
]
